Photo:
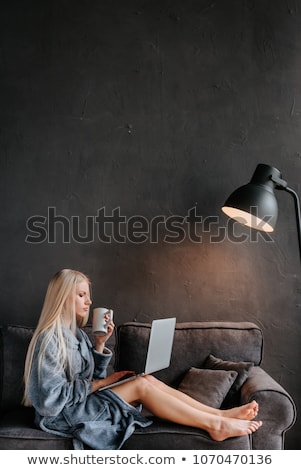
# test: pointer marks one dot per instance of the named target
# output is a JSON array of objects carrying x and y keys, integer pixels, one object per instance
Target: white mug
[{"x": 99, "y": 323}]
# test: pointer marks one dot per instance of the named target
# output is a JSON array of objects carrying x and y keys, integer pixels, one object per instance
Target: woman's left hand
[{"x": 100, "y": 341}]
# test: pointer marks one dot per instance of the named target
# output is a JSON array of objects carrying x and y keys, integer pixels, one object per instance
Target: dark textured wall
[{"x": 148, "y": 109}]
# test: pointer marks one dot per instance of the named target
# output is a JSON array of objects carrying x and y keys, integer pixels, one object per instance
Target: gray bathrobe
[{"x": 64, "y": 404}]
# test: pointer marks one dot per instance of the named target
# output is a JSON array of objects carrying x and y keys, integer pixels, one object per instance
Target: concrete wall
[{"x": 114, "y": 113}]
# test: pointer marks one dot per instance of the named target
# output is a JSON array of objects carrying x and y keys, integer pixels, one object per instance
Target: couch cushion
[
  {"x": 193, "y": 343},
  {"x": 17, "y": 431},
  {"x": 242, "y": 369},
  {"x": 162, "y": 435},
  {"x": 208, "y": 386},
  {"x": 14, "y": 344}
]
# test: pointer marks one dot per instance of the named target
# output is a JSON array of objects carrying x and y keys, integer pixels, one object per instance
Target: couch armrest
[{"x": 276, "y": 409}]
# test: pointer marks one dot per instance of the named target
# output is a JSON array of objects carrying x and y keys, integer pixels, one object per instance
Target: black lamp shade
[{"x": 255, "y": 204}]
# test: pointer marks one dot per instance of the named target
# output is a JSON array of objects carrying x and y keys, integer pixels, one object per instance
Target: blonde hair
[{"x": 58, "y": 309}]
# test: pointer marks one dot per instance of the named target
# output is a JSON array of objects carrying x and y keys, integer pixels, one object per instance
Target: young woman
[{"x": 63, "y": 373}]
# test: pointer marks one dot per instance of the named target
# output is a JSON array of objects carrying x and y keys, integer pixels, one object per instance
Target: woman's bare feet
[
  {"x": 248, "y": 411},
  {"x": 231, "y": 427}
]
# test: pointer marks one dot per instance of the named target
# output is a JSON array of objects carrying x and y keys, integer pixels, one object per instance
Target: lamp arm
[
  {"x": 297, "y": 210},
  {"x": 282, "y": 184}
]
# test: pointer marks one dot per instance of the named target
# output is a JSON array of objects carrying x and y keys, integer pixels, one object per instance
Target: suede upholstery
[
  {"x": 242, "y": 369},
  {"x": 193, "y": 343},
  {"x": 208, "y": 386}
]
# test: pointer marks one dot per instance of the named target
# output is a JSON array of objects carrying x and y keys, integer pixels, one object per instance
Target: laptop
[{"x": 158, "y": 352}]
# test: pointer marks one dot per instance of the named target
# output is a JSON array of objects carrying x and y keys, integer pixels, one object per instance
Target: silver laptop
[{"x": 158, "y": 352}]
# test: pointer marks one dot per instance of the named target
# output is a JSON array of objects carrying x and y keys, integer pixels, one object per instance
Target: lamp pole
[
  {"x": 297, "y": 211},
  {"x": 282, "y": 185}
]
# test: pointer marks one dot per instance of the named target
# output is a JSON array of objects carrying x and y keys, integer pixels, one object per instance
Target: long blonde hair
[{"x": 58, "y": 309}]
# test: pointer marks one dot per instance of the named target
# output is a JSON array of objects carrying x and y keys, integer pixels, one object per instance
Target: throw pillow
[
  {"x": 208, "y": 386},
  {"x": 242, "y": 369}
]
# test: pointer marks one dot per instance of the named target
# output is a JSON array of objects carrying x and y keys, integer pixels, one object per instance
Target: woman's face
[{"x": 82, "y": 301}]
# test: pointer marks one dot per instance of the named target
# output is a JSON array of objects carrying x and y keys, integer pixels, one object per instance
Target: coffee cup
[{"x": 99, "y": 323}]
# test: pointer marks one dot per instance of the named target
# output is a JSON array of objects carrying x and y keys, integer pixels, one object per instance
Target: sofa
[{"x": 215, "y": 362}]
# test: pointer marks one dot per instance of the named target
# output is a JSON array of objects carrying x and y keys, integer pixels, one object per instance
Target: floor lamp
[{"x": 255, "y": 204}]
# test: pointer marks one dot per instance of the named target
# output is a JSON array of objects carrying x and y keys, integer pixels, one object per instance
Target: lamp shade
[{"x": 255, "y": 204}]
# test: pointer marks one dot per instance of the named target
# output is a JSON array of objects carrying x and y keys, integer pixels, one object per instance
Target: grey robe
[{"x": 65, "y": 406}]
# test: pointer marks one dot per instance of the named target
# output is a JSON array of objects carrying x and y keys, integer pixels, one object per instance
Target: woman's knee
[
  {"x": 145, "y": 383},
  {"x": 152, "y": 380}
]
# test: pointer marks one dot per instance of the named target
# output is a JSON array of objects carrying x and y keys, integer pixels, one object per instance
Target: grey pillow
[
  {"x": 208, "y": 386},
  {"x": 242, "y": 369}
]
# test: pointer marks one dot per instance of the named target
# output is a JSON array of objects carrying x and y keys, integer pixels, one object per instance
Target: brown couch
[{"x": 200, "y": 348}]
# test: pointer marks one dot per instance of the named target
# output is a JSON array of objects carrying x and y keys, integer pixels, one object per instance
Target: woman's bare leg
[
  {"x": 168, "y": 406},
  {"x": 247, "y": 411}
]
